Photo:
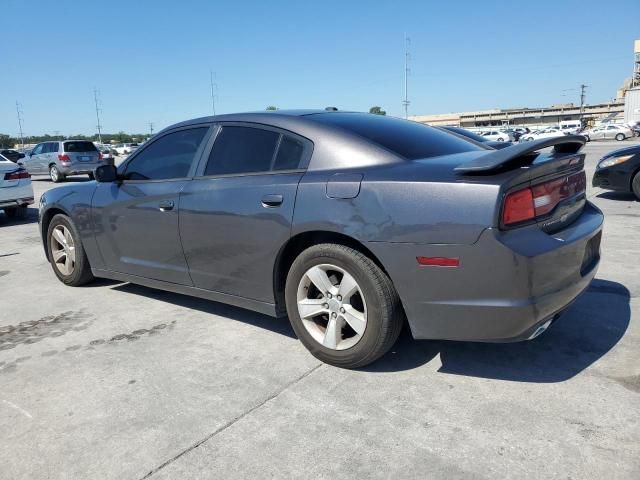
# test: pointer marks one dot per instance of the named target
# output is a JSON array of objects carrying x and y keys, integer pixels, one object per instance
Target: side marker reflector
[{"x": 438, "y": 261}]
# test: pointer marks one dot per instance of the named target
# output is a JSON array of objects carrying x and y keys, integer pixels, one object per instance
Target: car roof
[{"x": 258, "y": 116}]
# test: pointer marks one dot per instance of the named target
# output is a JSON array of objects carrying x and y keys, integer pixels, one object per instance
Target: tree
[
  {"x": 6, "y": 141},
  {"x": 377, "y": 111},
  {"x": 271, "y": 107}
]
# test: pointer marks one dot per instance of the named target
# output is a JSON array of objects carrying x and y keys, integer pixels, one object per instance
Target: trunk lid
[{"x": 554, "y": 182}]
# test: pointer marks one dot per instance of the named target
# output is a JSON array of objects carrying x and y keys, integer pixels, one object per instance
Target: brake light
[
  {"x": 64, "y": 158},
  {"x": 17, "y": 175},
  {"x": 539, "y": 200},
  {"x": 518, "y": 207}
]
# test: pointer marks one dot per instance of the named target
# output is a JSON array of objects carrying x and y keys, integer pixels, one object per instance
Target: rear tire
[
  {"x": 367, "y": 320},
  {"x": 16, "y": 212},
  {"x": 620, "y": 137},
  {"x": 54, "y": 174},
  {"x": 64, "y": 245},
  {"x": 635, "y": 185}
]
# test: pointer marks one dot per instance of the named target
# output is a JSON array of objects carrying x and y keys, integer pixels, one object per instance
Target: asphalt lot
[{"x": 119, "y": 381}]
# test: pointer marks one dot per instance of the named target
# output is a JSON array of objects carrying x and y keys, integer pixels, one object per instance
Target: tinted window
[
  {"x": 466, "y": 133},
  {"x": 289, "y": 154},
  {"x": 79, "y": 147},
  {"x": 411, "y": 140},
  {"x": 170, "y": 156},
  {"x": 53, "y": 147},
  {"x": 242, "y": 150},
  {"x": 38, "y": 149}
]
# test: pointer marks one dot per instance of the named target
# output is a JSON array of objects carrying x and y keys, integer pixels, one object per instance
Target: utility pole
[
  {"x": 19, "y": 112},
  {"x": 213, "y": 95},
  {"x": 583, "y": 95},
  {"x": 99, "y": 127},
  {"x": 150, "y": 129},
  {"x": 405, "y": 102}
]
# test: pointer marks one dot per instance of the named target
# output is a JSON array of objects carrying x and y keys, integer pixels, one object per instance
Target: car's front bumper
[
  {"x": 506, "y": 286},
  {"x": 616, "y": 177}
]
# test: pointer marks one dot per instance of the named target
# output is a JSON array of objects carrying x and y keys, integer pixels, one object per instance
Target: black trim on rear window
[{"x": 411, "y": 140}]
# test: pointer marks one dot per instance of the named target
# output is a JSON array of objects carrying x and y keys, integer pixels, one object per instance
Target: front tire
[
  {"x": 587, "y": 138},
  {"x": 635, "y": 185},
  {"x": 342, "y": 306},
  {"x": 66, "y": 254},
  {"x": 55, "y": 174},
  {"x": 620, "y": 137}
]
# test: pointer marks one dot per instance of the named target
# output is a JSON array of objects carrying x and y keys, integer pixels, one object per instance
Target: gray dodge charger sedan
[{"x": 347, "y": 223}]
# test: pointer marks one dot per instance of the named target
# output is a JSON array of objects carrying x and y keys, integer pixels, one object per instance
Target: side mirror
[{"x": 106, "y": 173}]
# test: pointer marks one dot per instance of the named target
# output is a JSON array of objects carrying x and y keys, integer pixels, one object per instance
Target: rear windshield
[
  {"x": 79, "y": 147},
  {"x": 410, "y": 140}
]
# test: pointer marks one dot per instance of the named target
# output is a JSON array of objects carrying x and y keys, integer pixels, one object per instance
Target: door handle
[
  {"x": 166, "y": 205},
  {"x": 272, "y": 200}
]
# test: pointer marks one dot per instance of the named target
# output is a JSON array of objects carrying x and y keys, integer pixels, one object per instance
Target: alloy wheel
[
  {"x": 53, "y": 173},
  {"x": 332, "y": 307},
  {"x": 63, "y": 250}
]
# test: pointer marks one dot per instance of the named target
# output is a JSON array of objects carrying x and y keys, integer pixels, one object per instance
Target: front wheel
[
  {"x": 587, "y": 138},
  {"x": 66, "y": 254},
  {"x": 635, "y": 185},
  {"x": 54, "y": 174},
  {"x": 620, "y": 137},
  {"x": 342, "y": 306}
]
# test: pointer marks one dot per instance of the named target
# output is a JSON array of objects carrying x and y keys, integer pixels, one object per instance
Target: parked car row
[{"x": 62, "y": 158}]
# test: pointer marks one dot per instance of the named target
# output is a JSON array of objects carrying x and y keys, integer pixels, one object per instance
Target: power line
[
  {"x": 99, "y": 127},
  {"x": 405, "y": 102},
  {"x": 19, "y": 112}
]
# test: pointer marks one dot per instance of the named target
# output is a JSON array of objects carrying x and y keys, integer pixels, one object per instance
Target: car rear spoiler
[{"x": 500, "y": 158}]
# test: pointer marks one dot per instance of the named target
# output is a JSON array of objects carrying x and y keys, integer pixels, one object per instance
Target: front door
[
  {"x": 33, "y": 162},
  {"x": 137, "y": 219},
  {"x": 236, "y": 215}
]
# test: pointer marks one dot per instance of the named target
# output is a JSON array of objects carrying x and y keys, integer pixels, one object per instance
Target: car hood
[{"x": 623, "y": 151}]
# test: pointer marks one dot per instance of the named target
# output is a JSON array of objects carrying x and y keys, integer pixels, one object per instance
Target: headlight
[{"x": 611, "y": 161}]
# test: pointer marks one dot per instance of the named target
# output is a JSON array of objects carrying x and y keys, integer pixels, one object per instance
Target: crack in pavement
[{"x": 232, "y": 421}]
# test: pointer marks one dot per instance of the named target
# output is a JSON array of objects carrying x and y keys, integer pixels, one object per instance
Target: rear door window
[{"x": 240, "y": 149}]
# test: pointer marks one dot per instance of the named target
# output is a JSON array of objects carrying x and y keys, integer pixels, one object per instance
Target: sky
[{"x": 151, "y": 60}]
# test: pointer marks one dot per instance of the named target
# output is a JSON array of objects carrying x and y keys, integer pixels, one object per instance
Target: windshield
[{"x": 410, "y": 140}]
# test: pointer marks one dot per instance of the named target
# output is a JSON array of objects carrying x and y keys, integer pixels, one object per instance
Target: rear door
[
  {"x": 236, "y": 214},
  {"x": 137, "y": 219}
]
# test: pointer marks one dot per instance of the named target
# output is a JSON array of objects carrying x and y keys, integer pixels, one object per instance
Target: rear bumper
[
  {"x": 17, "y": 196},
  {"x": 507, "y": 284},
  {"x": 79, "y": 168}
]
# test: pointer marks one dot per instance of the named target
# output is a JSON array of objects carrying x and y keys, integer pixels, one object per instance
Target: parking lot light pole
[{"x": 19, "y": 112}]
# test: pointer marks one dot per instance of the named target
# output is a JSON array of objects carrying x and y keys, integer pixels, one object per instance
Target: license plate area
[
  {"x": 85, "y": 158},
  {"x": 591, "y": 254}
]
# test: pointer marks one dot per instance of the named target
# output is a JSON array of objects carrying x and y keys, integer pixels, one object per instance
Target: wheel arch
[
  {"x": 45, "y": 220},
  {"x": 300, "y": 242}
]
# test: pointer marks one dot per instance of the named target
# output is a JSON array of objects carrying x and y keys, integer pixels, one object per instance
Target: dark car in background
[
  {"x": 347, "y": 223},
  {"x": 11, "y": 154},
  {"x": 620, "y": 171},
  {"x": 478, "y": 138}
]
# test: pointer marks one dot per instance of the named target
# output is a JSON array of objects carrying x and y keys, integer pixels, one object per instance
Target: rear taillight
[
  {"x": 537, "y": 201},
  {"x": 64, "y": 158},
  {"x": 17, "y": 175}
]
